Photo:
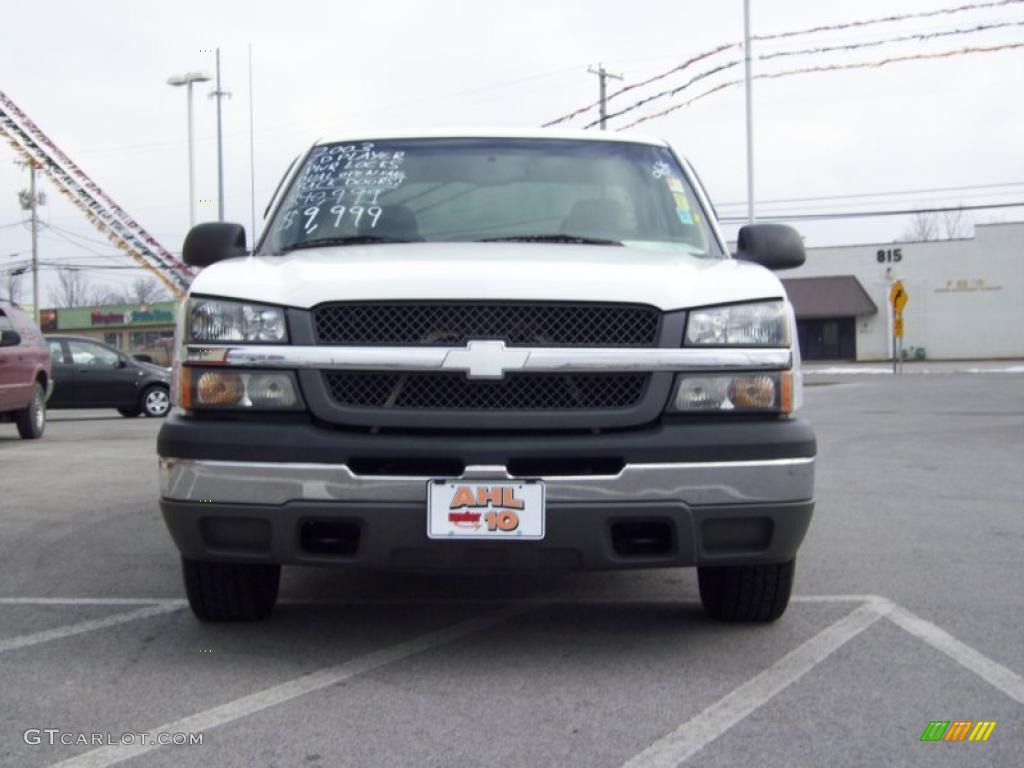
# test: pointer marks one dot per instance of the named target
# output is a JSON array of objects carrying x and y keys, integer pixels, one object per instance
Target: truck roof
[{"x": 496, "y": 133}]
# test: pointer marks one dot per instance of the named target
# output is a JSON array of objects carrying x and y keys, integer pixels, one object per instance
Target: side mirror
[
  {"x": 122, "y": 362},
  {"x": 10, "y": 338},
  {"x": 211, "y": 242},
  {"x": 775, "y": 246}
]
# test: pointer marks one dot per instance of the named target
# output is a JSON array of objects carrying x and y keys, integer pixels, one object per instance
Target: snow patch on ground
[{"x": 871, "y": 371}]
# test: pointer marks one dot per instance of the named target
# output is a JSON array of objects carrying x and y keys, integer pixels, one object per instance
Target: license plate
[{"x": 485, "y": 509}]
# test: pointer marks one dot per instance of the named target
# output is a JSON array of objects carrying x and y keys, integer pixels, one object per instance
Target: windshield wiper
[
  {"x": 346, "y": 240},
  {"x": 550, "y": 239}
]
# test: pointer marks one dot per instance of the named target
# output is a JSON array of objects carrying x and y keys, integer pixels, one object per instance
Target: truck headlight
[
  {"x": 219, "y": 388},
  {"x": 210, "y": 321},
  {"x": 737, "y": 392},
  {"x": 756, "y": 324}
]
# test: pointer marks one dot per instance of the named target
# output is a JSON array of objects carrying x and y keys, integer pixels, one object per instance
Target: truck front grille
[
  {"x": 515, "y": 392},
  {"x": 523, "y": 324}
]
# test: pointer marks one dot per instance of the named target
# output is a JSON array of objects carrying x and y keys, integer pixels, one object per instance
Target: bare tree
[
  {"x": 956, "y": 224},
  {"x": 73, "y": 289},
  {"x": 922, "y": 227},
  {"x": 145, "y": 290},
  {"x": 106, "y": 295},
  {"x": 948, "y": 225}
]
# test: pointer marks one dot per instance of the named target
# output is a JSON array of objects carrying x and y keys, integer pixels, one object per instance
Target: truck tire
[
  {"x": 746, "y": 592},
  {"x": 32, "y": 420},
  {"x": 230, "y": 591}
]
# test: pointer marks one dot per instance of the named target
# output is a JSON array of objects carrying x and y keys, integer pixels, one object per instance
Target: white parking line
[
  {"x": 1006, "y": 680},
  {"x": 278, "y": 694},
  {"x": 695, "y": 734},
  {"x": 23, "y": 641}
]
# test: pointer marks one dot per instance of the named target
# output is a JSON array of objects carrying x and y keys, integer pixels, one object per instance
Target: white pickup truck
[{"x": 488, "y": 351}]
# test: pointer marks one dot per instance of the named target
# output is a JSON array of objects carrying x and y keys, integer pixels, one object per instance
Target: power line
[
  {"x": 868, "y": 214},
  {"x": 820, "y": 50},
  {"x": 778, "y": 36},
  {"x": 888, "y": 19},
  {"x": 883, "y": 194},
  {"x": 917, "y": 37},
  {"x": 829, "y": 68},
  {"x": 49, "y": 225}
]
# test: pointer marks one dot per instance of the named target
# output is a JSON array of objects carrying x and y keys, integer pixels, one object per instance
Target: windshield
[{"x": 472, "y": 190}]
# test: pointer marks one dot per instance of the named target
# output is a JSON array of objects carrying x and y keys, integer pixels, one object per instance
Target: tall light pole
[
  {"x": 187, "y": 80},
  {"x": 750, "y": 111},
  {"x": 219, "y": 94}
]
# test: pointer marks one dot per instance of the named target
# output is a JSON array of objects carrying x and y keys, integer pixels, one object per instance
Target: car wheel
[
  {"x": 32, "y": 420},
  {"x": 230, "y": 591},
  {"x": 746, "y": 592},
  {"x": 129, "y": 413},
  {"x": 156, "y": 402}
]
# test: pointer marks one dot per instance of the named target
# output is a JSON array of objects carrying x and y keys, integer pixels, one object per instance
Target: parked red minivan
[{"x": 25, "y": 377}]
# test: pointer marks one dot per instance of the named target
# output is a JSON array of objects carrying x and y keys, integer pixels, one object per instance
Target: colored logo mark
[{"x": 958, "y": 730}]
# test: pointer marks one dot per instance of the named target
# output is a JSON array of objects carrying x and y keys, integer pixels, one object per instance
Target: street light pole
[
  {"x": 750, "y": 111},
  {"x": 187, "y": 80},
  {"x": 191, "y": 161}
]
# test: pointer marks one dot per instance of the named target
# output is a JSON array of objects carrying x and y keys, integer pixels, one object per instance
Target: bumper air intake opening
[
  {"x": 738, "y": 534},
  {"x": 236, "y": 534},
  {"x": 642, "y": 538},
  {"x": 329, "y": 537}
]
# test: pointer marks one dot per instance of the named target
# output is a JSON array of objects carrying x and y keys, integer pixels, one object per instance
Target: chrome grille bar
[{"x": 491, "y": 362}]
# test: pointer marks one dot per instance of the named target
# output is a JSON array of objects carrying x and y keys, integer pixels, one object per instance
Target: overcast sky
[{"x": 92, "y": 76}]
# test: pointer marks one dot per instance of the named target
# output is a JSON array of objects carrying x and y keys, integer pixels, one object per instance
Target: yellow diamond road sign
[{"x": 898, "y": 296}]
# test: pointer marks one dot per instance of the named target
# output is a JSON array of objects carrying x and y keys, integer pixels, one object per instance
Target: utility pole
[
  {"x": 30, "y": 202},
  {"x": 750, "y": 111},
  {"x": 35, "y": 241},
  {"x": 219, "y": 94},
  {"x": 602, "y": 76}
]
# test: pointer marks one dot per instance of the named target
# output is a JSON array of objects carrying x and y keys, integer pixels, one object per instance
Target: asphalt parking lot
[{"x": 908, "y": 610}]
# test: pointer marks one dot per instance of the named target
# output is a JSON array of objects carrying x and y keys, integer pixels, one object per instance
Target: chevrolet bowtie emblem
[{"x": 486, "y": 359}]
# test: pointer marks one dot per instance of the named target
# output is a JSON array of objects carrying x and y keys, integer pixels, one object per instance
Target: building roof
[{"x": 839, "y": 296}]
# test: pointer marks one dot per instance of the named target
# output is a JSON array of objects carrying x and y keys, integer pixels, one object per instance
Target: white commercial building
[{"x": 965, "y": 298}]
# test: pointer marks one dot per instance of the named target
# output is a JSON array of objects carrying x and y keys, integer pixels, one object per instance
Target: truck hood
[{"x": 487, "y": 271}]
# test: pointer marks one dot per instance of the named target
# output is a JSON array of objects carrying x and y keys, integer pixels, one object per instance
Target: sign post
[{"x": 898, "y": 299}]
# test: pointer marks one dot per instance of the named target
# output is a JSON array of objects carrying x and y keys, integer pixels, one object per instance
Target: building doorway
[{"x": 829, "y": 338}]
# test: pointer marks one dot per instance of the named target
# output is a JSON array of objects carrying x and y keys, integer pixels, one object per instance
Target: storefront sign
[{"x": 114, "y": 316}]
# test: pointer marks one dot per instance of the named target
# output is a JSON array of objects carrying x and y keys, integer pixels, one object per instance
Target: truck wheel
[
  {"x": 32, "y": 420},
  {"x": 155, "y": 402},
  {"x": 230, "y": 591},
  {"x": 746, "y": 592}
]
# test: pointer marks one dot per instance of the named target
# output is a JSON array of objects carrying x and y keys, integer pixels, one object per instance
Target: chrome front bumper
[{"x": 692, "y": 483}]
